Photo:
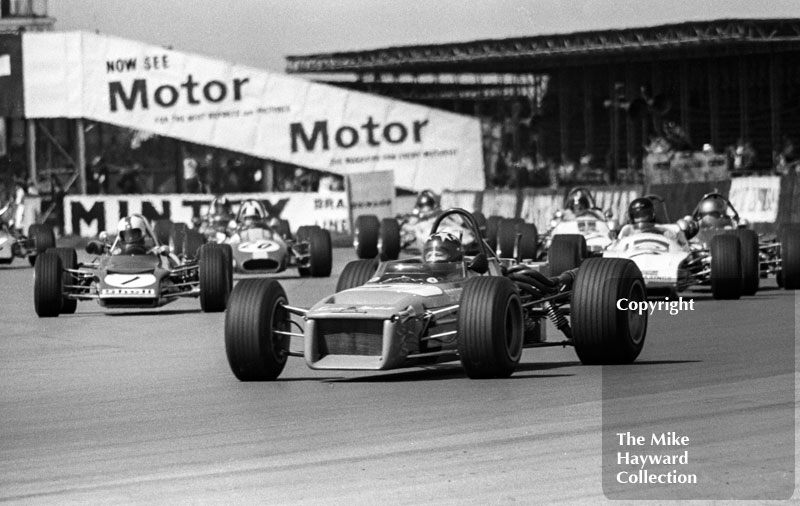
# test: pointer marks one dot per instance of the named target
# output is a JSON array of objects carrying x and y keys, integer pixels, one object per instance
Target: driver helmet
[
  {"x": 132, "y": 230},
  {"x": 641, "y": 211},
  {"x": 442, "y": 247},
  {"x": 712, "y": 211},
  {"x": 251, "y": 214},
  {"x": 427, "y": 203},
  {"x": 579, "y": 202}
]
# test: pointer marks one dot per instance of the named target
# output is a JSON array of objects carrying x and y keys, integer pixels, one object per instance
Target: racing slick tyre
[
  {"x": 601, "y": 332},
  {"x": 320, "y": 254},
  {"x": 365, "y": 238},
  {"x": 356, "y": 273},
  {"x": 47, "y": 284},
  {"x": 492, "y": 223},
  {"x": 726, "y": 267},
  {"x": 69, "y": 260},
  {"x": 529, "y": 242},
  {"x": 390, "y": 238},
  {"x": 507, "y": 236},
  {"x": 790, "y": 258},
  {"x": 751, "y": 263},
  {"x": 214, "y": 279},
  {"x": 162, "y": 230},
  {"x": 177, "y": 238},
  {"x": 255, "y": 351},
  {"x": 43, "y": 238},
  {"x": 566, "y": 252},
  {"x": 227, "y": 253},
  {"x": 490, "y": 327}
]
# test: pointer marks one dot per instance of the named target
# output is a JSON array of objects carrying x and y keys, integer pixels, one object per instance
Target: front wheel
[
  {"x": 43, "y": 239},
  {"x": 256, "y": 350},
  {"x": 751, "y": 273},
  {"x": 490, "y": 329},
  {"x": 790, "y": 258},
  {"x": 390, "y": 238},
  {"x": 726, "y": 267},
  {"x": 356, "y": 273},
  {"x": 47, "y": 284},
  {"x": 320, "y": 254},
  {"x": 601, "y": 332},
  {"x": 69, "y": 260},
  {"x": 214, "y": 279}
]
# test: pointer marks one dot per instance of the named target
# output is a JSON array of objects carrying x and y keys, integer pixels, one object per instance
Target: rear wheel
[
  {"x": 43, "y": 239},
  {"x": 69, "y": 260},
  {"x": 565, "y": 252},
  {"x": 751, "y": 263},
  {"x": 356, "y": 273},
  {"x": 47, "y": 284},
  {"x": 214, "y": 279},
  {"x": 790, "y": 257},
  {"x": 255, "y": 351},
  {"x": 726, "y": 267},
  {"x": 529, "y": 242},
  {"x": 490, "y": 328},
  {"x": 365, "y": 236},
  {"x": 602, "y": 333},
  {"x": 390, "y": 238}
]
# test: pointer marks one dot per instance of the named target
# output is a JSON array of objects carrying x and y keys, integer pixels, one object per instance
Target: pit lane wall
[
  {"x": 766, "y": 202},
  {"x": 87, "y": 216}
]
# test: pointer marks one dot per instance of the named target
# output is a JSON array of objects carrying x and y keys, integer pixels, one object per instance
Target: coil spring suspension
[{"x": 558, "y": 319}]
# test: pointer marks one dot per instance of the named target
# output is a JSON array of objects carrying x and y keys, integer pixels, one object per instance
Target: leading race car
[
  {"x": 14, "y": 244},
  {"x": 442, "y": 306},
  {"x": 135, "y": 271}
]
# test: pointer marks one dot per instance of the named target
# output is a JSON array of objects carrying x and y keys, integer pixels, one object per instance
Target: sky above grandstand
[{"x": 261, "y": 33}]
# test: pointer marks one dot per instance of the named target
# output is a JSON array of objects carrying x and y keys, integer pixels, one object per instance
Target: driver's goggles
[{"x": 713, "y": 214}]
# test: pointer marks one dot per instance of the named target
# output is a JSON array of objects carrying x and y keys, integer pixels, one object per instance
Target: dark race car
[{"x": 479, "y": 309}]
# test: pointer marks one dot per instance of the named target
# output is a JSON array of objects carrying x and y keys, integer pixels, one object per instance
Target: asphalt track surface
[{"x": 140, "y": 407}]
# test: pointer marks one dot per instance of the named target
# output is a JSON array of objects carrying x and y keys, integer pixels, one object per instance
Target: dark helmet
[
  {"x": 578, "y": 202},
  {"x": 442, "y": 247},
  {"x": 642, "y": 210},
  {"x": 713, "y": 207},
  {"x": 132, "y": 230},
  {"x": 427, "y": 203}
]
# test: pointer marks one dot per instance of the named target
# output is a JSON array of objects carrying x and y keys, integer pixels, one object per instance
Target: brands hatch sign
[{"x": 268, "y": 115}]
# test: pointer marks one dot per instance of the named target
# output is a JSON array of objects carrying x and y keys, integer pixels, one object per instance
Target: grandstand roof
[{"x": 693, "y": 39}]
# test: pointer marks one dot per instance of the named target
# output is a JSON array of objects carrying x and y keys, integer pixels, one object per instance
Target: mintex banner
[
  {"x": 87, "y": 216},
  {"x": 273, "y": 116}
]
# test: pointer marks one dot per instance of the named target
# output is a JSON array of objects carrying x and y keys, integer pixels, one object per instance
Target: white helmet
[{"x": 132, "y": 229}]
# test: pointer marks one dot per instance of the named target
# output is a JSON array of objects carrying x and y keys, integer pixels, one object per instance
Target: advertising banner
[
  {"x": 756, "y": 198},
  {"x": 274, "y": 116},
  {"x": 87, "y": 216},
  {"x": 371, "y": 193}
]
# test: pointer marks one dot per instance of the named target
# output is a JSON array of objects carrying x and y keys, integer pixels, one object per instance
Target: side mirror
[
  {"x": 479, "y": 264},
  {"x": 558, "y": 214},
  {"x": 608, "y": 214},
  {"x": 103, "y": 236},
  {"x": 688, "y": 227}
]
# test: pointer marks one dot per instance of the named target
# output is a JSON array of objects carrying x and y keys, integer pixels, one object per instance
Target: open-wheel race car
[
  {"x": 133, "y": 271},
  {"x": 14, "y": 244},
  {"x": 758, "y": 257},
  {"x": 264, "y": 244},
  {"x": 480, "y": 309}
]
